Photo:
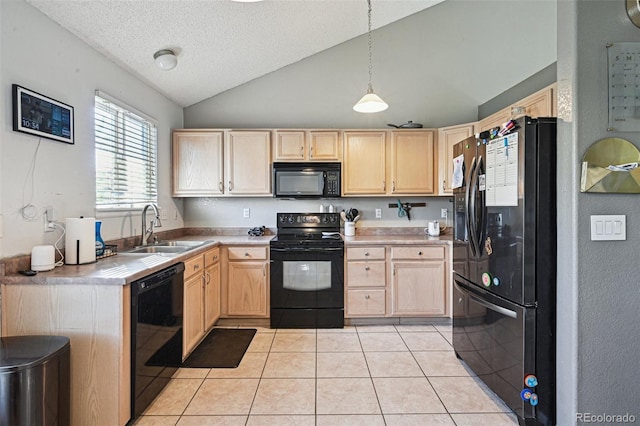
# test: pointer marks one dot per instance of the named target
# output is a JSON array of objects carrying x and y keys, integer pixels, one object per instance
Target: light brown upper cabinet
[
  {"x": 364, "y": 165},
  {"x": 542, "y": 103},
  {"x": 412, "y": 162},
  {"x": 197, "y": 163},
  {"x": 447, "y": 138},
  {"x": 399, "y": 162},
  {"x": 248, "y": 165},
  {"x": 311, "y": 145}
]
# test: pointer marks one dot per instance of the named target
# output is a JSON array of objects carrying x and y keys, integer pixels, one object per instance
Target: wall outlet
[
  {"x": 246, "y": 213},
  {"x": 443, "y": 213},
  {"x": 378, "y": 213},
  {"x": 49, "y": 226}
]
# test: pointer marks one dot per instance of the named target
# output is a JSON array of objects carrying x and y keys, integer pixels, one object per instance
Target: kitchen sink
[
  {"x": 159, "y": 249},
  {"x": 189, "y": 244}
]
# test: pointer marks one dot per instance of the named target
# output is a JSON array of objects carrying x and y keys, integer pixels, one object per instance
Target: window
[{"x": 126, "y": 160}]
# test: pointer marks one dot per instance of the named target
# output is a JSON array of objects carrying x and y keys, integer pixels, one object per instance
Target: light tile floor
[{"x": 361, "y": 375}]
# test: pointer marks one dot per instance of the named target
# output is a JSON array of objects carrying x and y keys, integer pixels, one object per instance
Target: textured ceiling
[{"x": 220, "y": 44}]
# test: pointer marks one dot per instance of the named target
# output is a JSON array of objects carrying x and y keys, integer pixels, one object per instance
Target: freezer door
[{"x": 496, "y": 339}]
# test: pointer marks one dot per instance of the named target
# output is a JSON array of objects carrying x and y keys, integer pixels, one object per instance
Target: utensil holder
[{"x": 349, "y": 229}]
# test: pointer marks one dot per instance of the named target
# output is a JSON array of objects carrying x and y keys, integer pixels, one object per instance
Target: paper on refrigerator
[
  {"x": 458, "y": 172},
  {"x": 502, "y": 171}
]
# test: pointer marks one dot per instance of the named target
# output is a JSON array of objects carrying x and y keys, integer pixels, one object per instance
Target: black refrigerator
[{"x": 504, "y": 261}]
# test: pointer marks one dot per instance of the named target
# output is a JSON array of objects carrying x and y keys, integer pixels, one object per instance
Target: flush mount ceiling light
[
  {"x": 165, "y": 59},
  {"x": 370, "y": 102}
]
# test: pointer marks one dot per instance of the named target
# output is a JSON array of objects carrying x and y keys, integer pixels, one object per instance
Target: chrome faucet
[{"x": 148, "y": 232}]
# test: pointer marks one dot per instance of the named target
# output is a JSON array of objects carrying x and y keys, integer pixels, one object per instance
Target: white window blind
[{"x": 125, "y": 157}]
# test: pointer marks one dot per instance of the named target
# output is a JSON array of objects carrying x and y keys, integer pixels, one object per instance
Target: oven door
[{"x": 307, "y": 284}]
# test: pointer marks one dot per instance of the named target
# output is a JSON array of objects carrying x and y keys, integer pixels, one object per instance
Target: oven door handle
[{"x": 306, "y": 249}]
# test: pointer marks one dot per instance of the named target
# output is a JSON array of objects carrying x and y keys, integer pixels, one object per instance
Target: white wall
[
  {"x": 38, "y": 54},
  {"x": 228, "y": 212},
  {"x": 598, "y": 293}
]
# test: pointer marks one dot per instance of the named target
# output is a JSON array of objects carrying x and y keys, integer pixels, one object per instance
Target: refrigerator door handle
[
  {"x": 499, "y": 309},
  {"x": 468, "y": 209},
  {"x": 480, "y": 219},
  {"x": 473, "y": 220}
]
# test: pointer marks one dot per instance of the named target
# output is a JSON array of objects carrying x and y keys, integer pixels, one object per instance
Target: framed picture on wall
[{"x": 42, "y": 116}]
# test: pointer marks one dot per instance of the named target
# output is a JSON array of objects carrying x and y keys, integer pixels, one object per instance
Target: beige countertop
[
  {"x": 396, "y": 240},
  {"x": 124, "y": 267}
]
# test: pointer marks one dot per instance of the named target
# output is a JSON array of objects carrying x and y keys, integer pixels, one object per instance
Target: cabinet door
[
  {"x": 211, "y": 295},
  {"x": 324, "y": 146},
  {"x": 412, "y": 162},
  {"x": 248, "y": 166},
  {"x": 289, "y": 146},
  {"x": 364, "y": 163},
  {"x": 247, "y": 289},
  {"x": 447, "y": 138},
  {"x": 193, "y": 327},
  {"x": 197, "y": 163},
  {"x": 418, "y": 288},
  {"x": 495, "y": 120},
  {"x": 539, "y": 104}
]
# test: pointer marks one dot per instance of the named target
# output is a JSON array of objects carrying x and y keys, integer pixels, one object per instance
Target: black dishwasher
[{"x": 156, "y": 334}]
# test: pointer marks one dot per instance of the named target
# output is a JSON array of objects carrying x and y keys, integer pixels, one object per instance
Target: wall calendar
[{"x": 624, "y": 86}]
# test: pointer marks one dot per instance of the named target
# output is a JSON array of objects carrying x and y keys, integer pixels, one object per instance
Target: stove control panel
[{"x": 308, "y": 220}]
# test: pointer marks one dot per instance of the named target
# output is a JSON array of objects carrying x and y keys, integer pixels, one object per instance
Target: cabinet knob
[
  {"x": 196, "y": 267},
  {"x": 444, "y": 187},
  {"x": 230, "y": 186},
  {"x": 367, "y": 297},
  {"x": 366, "y": 253},
  {"x": 301, "y": 151},
  {"x": 366, "y": 268},
  {"x": 384, "y": 185},
  {"x": 310, "y": 153},
  {"x": 393, "y": 186},
  {"x": 419, "y": 253},
  {"x": 221, "y": 186},
  {"x": 246, "y": 255},
  {"x": 215, "y": 257}
]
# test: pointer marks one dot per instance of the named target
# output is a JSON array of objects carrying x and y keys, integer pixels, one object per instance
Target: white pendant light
[
  {"x": 165, "y": 59},
  {"x": 370, "y": 102}
]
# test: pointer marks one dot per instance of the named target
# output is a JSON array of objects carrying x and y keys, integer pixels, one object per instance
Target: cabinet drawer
[
  {"x": 212, "y": 256},
  {"x": 247, "y": 253},
  {"x": 366, "y": 274},
  {"x": 366, "y": 302},
  {"x": 193, "y": 266},
  {"x": 418, "y": 252},
  {"x": 365, "y": 253}
]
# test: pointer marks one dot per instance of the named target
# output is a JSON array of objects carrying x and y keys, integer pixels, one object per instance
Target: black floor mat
[{"x": 222, "y": 348}]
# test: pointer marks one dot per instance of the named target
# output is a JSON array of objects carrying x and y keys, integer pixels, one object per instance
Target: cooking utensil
[
  {"x": 408, "y": 125},
  {"x": 343, "y": 216}
]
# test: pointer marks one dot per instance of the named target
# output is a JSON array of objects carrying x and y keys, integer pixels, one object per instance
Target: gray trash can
[{"x": 34, "y": 381}]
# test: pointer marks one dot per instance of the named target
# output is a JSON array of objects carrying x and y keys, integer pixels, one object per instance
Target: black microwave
[{"x": 306, "y": 180}]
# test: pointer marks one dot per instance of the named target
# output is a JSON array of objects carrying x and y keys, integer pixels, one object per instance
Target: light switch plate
[
  {"x": 378, "y": 213},
  {"x": 246, "y": 213},
  {"x": 608, "y": 227}
]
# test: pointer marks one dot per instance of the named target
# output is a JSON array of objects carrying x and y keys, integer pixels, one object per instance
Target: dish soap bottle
[{"x": 99, "y": 240}]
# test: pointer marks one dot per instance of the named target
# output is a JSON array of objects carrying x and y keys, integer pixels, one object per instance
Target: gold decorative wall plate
[
  {"x": 611, "y": 165},
  {"x": 633, "y": 10}
]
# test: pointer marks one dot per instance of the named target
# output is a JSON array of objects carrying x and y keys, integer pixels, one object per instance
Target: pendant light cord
[{"x": 370, "y": 89}]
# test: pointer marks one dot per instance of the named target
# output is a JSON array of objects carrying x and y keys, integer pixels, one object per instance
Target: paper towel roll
[{"x": 80, "y": 240}]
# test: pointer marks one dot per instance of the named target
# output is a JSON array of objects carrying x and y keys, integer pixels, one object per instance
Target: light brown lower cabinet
[
  {"x": 201, "y": 297},
  {"x": 247, "y": 282},
  {"x": 397, "y": 281}
]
